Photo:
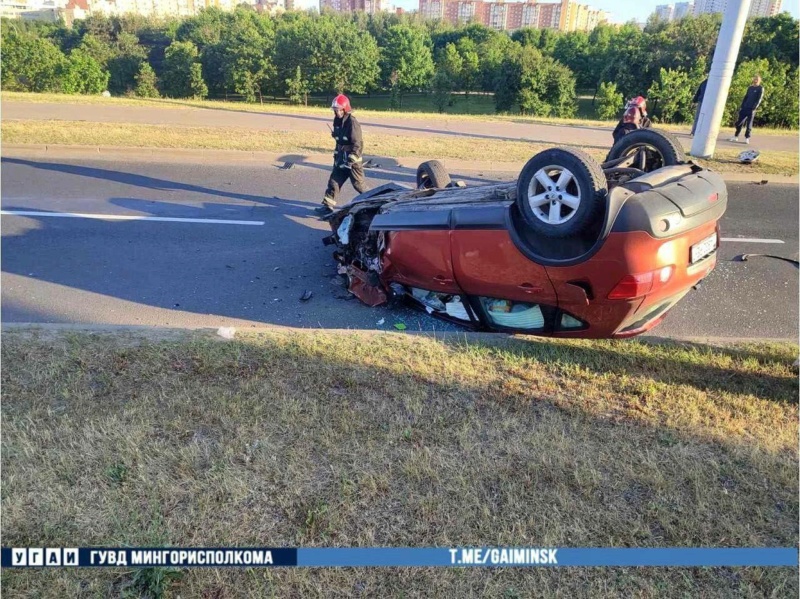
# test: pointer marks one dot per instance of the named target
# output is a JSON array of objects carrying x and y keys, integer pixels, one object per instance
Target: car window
[
  {"x": 570, "y": 322},
  {"x": 512, "y": 314},
  {"x": 446, "y": 303}
]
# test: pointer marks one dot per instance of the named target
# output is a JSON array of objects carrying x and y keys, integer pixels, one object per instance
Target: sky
[{"x": 621, "y": 10}]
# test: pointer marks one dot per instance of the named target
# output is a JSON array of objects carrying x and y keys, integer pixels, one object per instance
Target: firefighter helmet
[{"x": 341, "y": 102}]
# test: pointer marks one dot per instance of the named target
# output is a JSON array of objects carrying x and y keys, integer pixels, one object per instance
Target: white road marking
[
  {"x": 163, "y": 219},
  {"x": 751, "y": 240}
]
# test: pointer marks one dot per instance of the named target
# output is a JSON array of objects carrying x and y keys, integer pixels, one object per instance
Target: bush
[
  {"x": 146, "y": 82},
  {"x": 609, "y": 101},
  {"x": 197, "y": 87},
  {"x": 29, "y": 63},
  {"x": 82, "y": 74},
  {"x": 670, "y": 98},
  {"x": 536, "y": 84}
]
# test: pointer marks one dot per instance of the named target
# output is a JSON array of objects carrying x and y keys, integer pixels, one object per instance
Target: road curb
[
  {"x": 278, "y": 158},
  {"x": 172, "y": 331}
]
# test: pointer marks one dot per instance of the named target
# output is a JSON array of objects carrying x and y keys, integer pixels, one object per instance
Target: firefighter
[
  {"x": 634, "y": 117},
  {"x": 347, "y": 160}
]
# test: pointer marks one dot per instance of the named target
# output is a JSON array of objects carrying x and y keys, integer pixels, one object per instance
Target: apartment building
[
  {"x": 565, "y": 15},
  {"x": 758, "y": 8},
  {"x": 370, "y": 7}
]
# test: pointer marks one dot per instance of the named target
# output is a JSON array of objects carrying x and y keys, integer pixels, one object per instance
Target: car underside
[{"x": 572, "y": 248}]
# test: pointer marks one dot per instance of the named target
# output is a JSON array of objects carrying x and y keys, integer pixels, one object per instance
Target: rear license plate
[{"x": 704, "y": 248}]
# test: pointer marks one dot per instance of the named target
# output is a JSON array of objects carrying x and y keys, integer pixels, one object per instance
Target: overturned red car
[{"x": 573, "y": 248}]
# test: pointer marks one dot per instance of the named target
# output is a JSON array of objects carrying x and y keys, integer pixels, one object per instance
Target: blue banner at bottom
[{"x": 323, "y": 557}]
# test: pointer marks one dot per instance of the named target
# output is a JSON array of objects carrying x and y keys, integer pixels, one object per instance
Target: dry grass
[
  {"x": 318, "y": 439},
  {"x": 513, "y": 153},
  {"x": 283, "y": 108}
]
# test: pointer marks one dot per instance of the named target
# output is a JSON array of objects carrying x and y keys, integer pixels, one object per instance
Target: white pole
[{"x": 719, "y": 79}]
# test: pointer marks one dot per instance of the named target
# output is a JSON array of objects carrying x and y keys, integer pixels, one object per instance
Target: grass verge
[
  {"x": 392, "y": 146},
  {"x": 376, "y": 108},
  {"x": 317, "y": 439}
]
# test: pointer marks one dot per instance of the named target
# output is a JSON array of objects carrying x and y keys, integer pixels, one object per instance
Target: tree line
[{"x": 530, "y": 71}]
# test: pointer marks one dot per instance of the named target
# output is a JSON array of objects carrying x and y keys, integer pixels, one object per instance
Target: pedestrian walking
[
  {"x": 347, "y": 160},
  {"x": 747, "y": 111}
]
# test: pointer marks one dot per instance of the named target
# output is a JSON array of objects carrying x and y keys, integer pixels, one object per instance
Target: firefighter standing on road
[{"x": 347, "y": 161}]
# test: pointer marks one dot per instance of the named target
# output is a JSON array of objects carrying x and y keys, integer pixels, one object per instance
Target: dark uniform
[
  {"x": 347, "y": 161},
  {"x": 747, "y": 111},
  {"x": 698, "y": 99}
]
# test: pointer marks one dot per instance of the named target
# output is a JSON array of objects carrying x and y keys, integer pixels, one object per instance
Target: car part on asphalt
[
  {"x": 749, "y": 156},
  {"x": 746, "y": 257},
  {"x": 432, "y": 175}
]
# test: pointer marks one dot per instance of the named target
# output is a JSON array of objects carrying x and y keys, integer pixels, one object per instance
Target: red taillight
[
  {"x": 633, "y": 286},
  {"x": 713, "y": 197}
]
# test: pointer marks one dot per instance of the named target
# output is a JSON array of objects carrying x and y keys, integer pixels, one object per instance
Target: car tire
[
  {"x": 432, "y": 175},
  {"x": 544, "y": 204},
  {"x": 658, "y": 149}
]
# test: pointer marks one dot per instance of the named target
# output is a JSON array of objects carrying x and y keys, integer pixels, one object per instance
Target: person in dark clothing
[
  {"x": 634, "y": 117},
  {"x": 347, "y": 161},
  {"x": 747, "y": 111},
  {"x": 698, "y": 99}
]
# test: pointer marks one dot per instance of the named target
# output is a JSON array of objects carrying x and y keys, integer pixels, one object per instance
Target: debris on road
[
  {"x": 307, "y": 295},
  {"x": 226, "y": 332},
  {"x": 381, "y": 322},
  {"x": 400, "y": 326}
]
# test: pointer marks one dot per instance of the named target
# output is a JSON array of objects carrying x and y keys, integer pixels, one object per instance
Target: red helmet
[
  {"x": 341, "y": 102},
  {"x": 640, "y": 102}
]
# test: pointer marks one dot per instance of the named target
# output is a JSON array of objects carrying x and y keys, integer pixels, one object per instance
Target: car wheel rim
[{"x": 554, "y": 195}]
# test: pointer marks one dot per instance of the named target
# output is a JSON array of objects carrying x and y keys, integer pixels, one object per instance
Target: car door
[{"x": 488, "y": 266}]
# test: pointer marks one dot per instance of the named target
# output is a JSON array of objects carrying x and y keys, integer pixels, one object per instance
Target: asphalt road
[
  {"x": 201, "y": 274},
  {"x": 520, "y": 130}
]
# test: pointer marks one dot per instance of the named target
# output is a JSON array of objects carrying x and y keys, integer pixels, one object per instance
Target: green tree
[
  {"x": 297, "y": 88},
  {"x": 176, "y": 81},
  {"x": 29, "y": 63},
  {"x": 125, "y": 63},
  {"x": 670, "y": 97},
  {"x": 535, "y": 84},
  {"x": 146, "y": 82},
  {"x": 447, "y": 76},
  {"x": 609, "y": 101},
  {"x": 241, "y": 62},
  {"x": 197, "y": 87},
  {"x": 572, "y": 50},
  {"x": 82, "y": 74},
  {"x": 407, "y": 61},
  {"x": 774, "y": 38},
  {"x": 492, "y": 52},
  {"x": 97, "y": 48},
  {"x": 470, "y": 73}
]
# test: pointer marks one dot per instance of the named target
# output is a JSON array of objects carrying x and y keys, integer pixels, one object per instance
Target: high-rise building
[
  {"x": 674, "y": 12},
  {"x": 683, "y": 9},
  {"x": 665, "y": 12},
  {"x": 758, "y": 8},
  {"x": 765, "y": 8},
  {"x": 565, "y": 15},
  {"x": 432, "y": 9},
  {"x": 366, "y": 6}
]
